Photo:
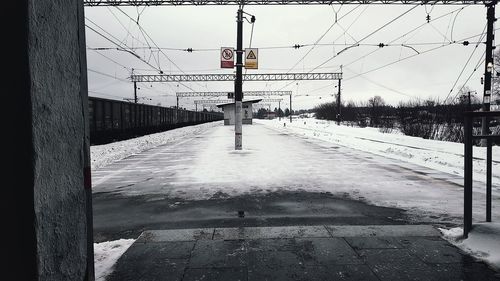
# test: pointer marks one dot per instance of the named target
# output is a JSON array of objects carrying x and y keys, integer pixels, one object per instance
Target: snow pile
[
  {"x": 102, "y": 155},
  {"x": 438, "y": 155},
  {"x": 483, "y": 242},
  {"x": 106, "y": 254}
]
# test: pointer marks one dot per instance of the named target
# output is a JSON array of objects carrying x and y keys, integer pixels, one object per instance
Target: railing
[{"x": 468, "y": 157}]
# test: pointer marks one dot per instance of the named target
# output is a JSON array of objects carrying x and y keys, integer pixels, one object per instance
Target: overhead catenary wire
[
  {"x": 107, "y": 75},
  {"x": 359, "y": 41},
  {"x": 480, "y": 62},
  {"x": 463, "y": 41},
  {"x": 122, "y": 47},
  {"x": 406, "y": 58},
  {"x": 163, "y": 53},
  {"x": 466, "y": 63}
]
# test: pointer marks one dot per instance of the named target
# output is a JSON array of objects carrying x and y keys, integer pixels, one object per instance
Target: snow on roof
[{"x": 245, "y": 101}]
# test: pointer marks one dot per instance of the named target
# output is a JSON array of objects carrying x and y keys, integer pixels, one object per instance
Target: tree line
[{"x": 429, "y": 119}]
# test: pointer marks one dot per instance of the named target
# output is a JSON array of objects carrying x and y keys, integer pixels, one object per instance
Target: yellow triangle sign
[{"x": 251, "y": 56}]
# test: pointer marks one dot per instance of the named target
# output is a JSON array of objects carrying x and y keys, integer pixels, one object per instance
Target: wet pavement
[
  {"x": 285, "y": 208},
  {"x": 118, "y": 216},
  {"x": 390, "y": 252}
]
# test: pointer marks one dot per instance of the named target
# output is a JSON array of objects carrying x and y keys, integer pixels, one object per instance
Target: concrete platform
[{"x": 323, "y": 252}]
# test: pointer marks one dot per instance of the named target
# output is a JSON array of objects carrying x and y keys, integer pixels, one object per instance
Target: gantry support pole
[{"x": 238, "y": 83}]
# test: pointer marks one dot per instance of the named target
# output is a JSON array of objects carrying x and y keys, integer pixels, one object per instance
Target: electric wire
[{"x": 466, "y": 64}]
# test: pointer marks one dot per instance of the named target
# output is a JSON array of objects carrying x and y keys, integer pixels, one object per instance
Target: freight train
[{"x": 112, "y": 120}]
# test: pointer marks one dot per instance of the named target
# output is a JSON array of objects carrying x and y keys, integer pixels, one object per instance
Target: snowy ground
[
  {"x": 102, "y": 155},
  {"x": 199, "y": 162},
  {"x": 106, "y": 254},
  {"x": 438, "y": 155},
  {"x": 483, "y": 242}
]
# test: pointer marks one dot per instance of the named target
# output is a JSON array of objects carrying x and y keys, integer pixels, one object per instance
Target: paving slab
[
  {"x": 381, "y": 230},
  {"x": 298, "y": 253},
  {"x": 270, "y": 232},
  {"x": 175, "y": 235}
]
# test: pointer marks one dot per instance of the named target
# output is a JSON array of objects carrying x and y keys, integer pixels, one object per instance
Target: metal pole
[
  {"x": 238, "y": 83},
  {"x": 338, "y": 105},
  {"x": 488, "y": 65},
  {"x": 279, "y": 110},
  {"x": 135, "y": 92},
  {"x": 468, "y": 154},
  {"x": 488, "y": 180},
  {"x": 290, "y": 108},
  {"x": 177, "y": 111}
]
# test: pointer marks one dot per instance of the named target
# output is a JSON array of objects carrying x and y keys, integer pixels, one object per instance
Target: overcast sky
[{"x": 431, "y": 72}]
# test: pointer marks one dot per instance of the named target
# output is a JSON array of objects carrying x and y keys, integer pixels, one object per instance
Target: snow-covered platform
[
  {"x": 388, "y": 252},
  {"x": 205, "y": 165},
  {"x": 193, "y": 178}
]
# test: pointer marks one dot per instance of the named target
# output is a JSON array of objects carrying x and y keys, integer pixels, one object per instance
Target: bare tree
[{"x": 376, "y": 104}]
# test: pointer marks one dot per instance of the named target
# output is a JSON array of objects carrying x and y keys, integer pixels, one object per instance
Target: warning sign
[
  {"x": 226, "y": 57},
  {"x": 251, "y": 58}
]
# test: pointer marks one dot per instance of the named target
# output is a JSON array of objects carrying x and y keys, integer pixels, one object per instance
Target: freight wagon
[{"x": 112, "y": 120}]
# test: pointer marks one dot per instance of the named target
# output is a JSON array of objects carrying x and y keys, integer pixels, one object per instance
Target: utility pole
[
  {"x": 290, "y": 108},
  {"x": 279, "y": 110},
  {"x": 469, "y": 106},
  {"x": 339, "y": 101},
  {"x": 488, "y": 67},
  {"x": 135, "y": 92},
  {"x": 238, "y": 83},
  {"x": 177, "y": 110}
]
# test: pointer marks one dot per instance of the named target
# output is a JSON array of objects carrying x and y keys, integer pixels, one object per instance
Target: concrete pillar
[{"x": 48, "y": 147}]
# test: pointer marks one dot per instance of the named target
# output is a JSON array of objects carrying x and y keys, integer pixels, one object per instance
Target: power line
[
  {"x": 107, "y": 75},
  {"x": 381, "y": 85},
  {"x": 321, "y": 37},
  {"x": 465, "y": 65},
  {"x": 408, "y": 57},
  {"x": 110, "y": 59},
  {"x": 354, "y": 45},
  {"x": 151, "y": 39},
  {"x": 403, "y": 35},
  {"x": 480, "y": 61},
  {"x": 369, "y": 35},
  {"x": 120, "y": 48}
]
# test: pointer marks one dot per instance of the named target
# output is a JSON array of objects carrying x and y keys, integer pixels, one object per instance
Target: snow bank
[
  {"x": 438, "y": 155},
  {"x": 483, "y": 242},
  {"x": 106, "y": 254},
  {"x": 102, "y": 155}
]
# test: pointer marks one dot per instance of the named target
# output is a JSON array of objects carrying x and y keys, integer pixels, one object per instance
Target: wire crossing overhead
[
  {"x": 230, "y": 101},
  {"x": 93, "y": 3},
  {"x": 223, "y": 94},
  {"x": 231, "y": 77}
]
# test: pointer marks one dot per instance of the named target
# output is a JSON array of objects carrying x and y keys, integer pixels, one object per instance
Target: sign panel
[
  {"x": 226, "y": 57},
  {"x": 251, "y": 58}
]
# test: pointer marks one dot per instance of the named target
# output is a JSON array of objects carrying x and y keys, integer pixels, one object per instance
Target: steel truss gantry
[
  {"x": 231, "y": 77},
  {"x": 229, "y": 101},
  {"x": 223, "y": 94},
  {"x": 93, "y": 3}
]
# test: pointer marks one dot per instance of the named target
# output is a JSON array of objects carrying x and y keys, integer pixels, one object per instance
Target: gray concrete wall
[{"x": 58, "y": 96}]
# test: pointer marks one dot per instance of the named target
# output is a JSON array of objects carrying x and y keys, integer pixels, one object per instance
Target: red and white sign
[{"x": 226, "y": 57}]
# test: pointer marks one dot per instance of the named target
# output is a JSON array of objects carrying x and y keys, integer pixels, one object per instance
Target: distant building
[
  {"x": 271, "y": 115},
  {"x": 246, "y": 111}
]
